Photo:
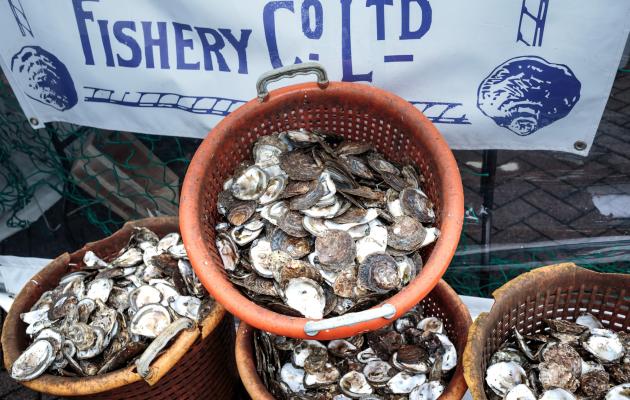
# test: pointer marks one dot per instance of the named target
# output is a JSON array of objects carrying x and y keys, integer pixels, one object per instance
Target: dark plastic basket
[
  {"x": 561, "y": 291},
  {"x": 197, "y": 365},
  {"x": 442, "y": 303}
]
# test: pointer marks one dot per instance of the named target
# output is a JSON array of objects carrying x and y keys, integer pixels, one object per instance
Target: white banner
[{"x": 518, "y": 74}]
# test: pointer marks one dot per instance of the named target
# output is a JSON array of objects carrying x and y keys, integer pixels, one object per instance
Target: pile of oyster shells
[
  {"x": 412, "y": 358},
  {"x": 320, "y": 226},
  {"x": 108, "y": 314},
  {"x": 573, "y": 360}
]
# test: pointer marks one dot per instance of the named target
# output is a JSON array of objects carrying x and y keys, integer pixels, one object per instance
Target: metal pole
[{"x": 488, "y": 173}]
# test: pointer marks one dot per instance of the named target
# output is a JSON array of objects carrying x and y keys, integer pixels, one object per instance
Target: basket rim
[
  {"x": 212, "y": 274},
  {"x": 79, "y": 386},
  {"x": 477, "y": 332},
  {"x": 455, "y": 389}
]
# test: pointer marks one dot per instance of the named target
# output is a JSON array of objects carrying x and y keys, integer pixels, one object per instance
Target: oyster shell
[
  {"x": 296, "y": 247},
  {"x": 35, "y": 316},
  {"x": 619, "y": 392},
  {"x": 305, "y": 296},
  {"x": 355, "y": 385},
  {"x": 169, "y": 240},
  {"x": 129, "y": 258},
  {"x": 150, "y": 320},
  {"x": 242, "y": 235},
  {"x": 564, "y": 354},
  {"x": 91, "y": 260},
  {"x": 555, "y": 375},
  {"x": 95, "y": 348},
  {"x": 354, "y": 216},
  {"x": 345, "y": 283},
  {"x": 353, "y": 148},
  {"x": 300, "y": 166},
  {"x": 308, "y": 199},
  {"x": 335, "y": 249},
  {"x": 588, "y": 366},
  {"x": 508, "y": 354},
  {"x": 411, "y": 358},
  {"x": 557, "y": 394},
  {"x": 260, "y": 255},
  {"x": 520, "y": 392},
  {"x": 374, "y": 242},
  {"x": 294, "y": 269},
  {"x": 99, "y": 289},
  {"x": 250, "y": 184},
  {"x": 427, "y": 391},
  {"x": 292, "y": 377},
  {"x": 324, "y": 210},
  {"x": 33, "y": 361},
  {"x": 503, "y": 376},
  {"x": 315, "y": 226},
  {"x": 228, "y": 251},
  {"x": 291, "y": 224},
  {"x": 143, "y": 295},
  {"x": 186, "y": 306},
  {"x": 379, "y": 273},
  {"x": 274, "y": 190},
  {"x": 416, "y": 204},
  {"x": 406, "y": 269},
  {"x": 342, "y": 348},
  {"x": 403, "y": 382},
  {"x": 326, "y": 375},
  {"x": 274, "y": 212},
  {"x": 241, "y": 212},
  {"x": 589, "y": 321},
  {"x": 367, "y": 355},
  {"x": 305, "y": 349},
  {"x": 449, "y": 356},
  {"x": 408, "y": 234},
  {"x": 377, "y": 372},
  {"x": 595, "y": 383},
  {"x": 431, "y": 324},
  {"x": 604, "y": 344}
]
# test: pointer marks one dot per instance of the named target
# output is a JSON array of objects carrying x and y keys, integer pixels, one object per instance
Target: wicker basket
[
  {"x": 199, "y": 364},
  {"x": 442, "y": 302},
  {"x": 354, "y": 111},
  {"x": 561, "y": 291}
]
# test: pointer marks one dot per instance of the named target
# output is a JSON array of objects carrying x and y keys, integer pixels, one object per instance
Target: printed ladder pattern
[
  {"x": 195, "y": 104},
  {"x": 435, "y": 111},
  {"x": 527, "y": 35},
  {"x": 20, "y": 17}
]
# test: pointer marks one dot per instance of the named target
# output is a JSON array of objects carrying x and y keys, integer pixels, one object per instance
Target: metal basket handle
[
  {"x": 289, "y": 72},
  {"x": 312, "y": 328}
]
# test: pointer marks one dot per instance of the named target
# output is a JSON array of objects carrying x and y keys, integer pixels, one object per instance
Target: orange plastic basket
[
  {"x": 442, "y": 303},
  {"x": 354, "y": 111},
  {"x": 198, "y": 364}
]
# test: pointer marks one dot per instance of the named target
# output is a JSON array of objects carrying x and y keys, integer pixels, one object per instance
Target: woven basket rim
[
  {"x": 211, "y": 273},
  {"x": 78, "y": 386}
]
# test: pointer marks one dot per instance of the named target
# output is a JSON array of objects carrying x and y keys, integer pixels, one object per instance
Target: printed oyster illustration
[
  {"x": 525, "y": 94},
  {"x": 47, "y": 79}
]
